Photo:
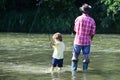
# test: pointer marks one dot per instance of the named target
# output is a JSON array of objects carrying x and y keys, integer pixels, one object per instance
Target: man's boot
[
  {"x": 74, "y": 64},
  {"x": 85, "y": 64}
]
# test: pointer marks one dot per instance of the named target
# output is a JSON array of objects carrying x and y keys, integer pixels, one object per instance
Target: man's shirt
[{"x": 84, "y": 28}]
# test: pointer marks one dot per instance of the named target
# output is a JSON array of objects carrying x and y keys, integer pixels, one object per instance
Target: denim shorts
[
  {"x": 78, "y": 48},
  {"x": 57, "y": 62}
]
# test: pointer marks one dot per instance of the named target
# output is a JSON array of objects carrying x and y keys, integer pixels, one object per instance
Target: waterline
[{"x": 28, "y": 68}]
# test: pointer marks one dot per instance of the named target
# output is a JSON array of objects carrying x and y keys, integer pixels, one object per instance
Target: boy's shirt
[{"x": 59, "y": 48}]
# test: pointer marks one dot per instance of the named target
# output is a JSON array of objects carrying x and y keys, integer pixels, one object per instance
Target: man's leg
[
  {"x": 74, "y": 64},
  {"x": 85, "y": 64},
  {"x": 76, "y": 52},
  {"x": 86, "y": 60}
]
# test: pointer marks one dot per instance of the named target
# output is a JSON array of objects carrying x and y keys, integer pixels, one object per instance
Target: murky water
[{"x": 28, "y": 57}]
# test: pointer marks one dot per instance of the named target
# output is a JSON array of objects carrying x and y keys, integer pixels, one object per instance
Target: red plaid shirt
[{"x": 84, "y": 28}]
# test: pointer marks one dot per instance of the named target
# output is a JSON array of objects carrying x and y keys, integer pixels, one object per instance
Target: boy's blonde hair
[{"x": 57, "y": 36}]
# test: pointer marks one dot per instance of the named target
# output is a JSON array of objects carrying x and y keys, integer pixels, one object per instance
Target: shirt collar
[{"x": 85, "y": 14}]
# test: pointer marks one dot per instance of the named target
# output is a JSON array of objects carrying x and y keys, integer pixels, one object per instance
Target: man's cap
[{"x": 85, "y": 8}]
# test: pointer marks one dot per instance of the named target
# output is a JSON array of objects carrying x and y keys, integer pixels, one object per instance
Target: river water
[{"x": 28, "y": 57}]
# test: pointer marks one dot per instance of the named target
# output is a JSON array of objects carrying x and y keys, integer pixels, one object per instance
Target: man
[{"x": 85, "y": 30}]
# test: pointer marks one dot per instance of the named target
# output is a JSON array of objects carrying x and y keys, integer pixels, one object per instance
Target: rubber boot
[
  {"x": 74, "y": 65},
  {"x": 85, "y": 65}
]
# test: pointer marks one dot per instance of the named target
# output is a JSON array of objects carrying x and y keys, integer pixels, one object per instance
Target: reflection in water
[
  {"x": 74, "y": 76},
  {"x": 85, "y": 76},
  {"x": 56, "y": 76}
]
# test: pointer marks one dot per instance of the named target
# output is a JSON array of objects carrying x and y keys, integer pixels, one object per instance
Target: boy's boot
[
  {"x": 85, "y": 64},
  {"x": 74, "y": 64}
]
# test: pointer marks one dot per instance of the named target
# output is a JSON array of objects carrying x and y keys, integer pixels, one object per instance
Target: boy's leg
[
  {"x": 54, "y": 63},
  {"x": 60, "y": 64},
  {"x": 86, "y": 60},
  {"x": 52, "y": 68},
  {"x": 76, "y": 52}
]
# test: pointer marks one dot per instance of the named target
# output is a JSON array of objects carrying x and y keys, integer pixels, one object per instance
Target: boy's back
[{"x": 59, "y": 48}]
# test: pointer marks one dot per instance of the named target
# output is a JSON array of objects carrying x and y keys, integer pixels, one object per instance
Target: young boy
[{"x": 59, "y": 47}]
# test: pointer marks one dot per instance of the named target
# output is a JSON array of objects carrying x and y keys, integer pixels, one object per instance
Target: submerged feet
[
  {"x": 74, "y": 64},
  {"x": 55, "y": 70}
]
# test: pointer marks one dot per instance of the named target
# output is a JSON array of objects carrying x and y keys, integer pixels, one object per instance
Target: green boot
[
  {"x": 74, "y": 65},
  {"x": 85, "y": 64}
]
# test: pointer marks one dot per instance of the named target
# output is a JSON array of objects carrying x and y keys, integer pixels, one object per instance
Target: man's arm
[
  {"x": 92, "y": 37},
  {"x": 93, "y": 28}
]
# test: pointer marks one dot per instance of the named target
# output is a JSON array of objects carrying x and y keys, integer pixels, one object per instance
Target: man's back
[{"x": 84, "y": 28}]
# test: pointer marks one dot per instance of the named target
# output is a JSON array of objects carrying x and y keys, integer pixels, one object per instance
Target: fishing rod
[
  {"x": 33, "y": 22},
  {"x": 49, "y": 37}
]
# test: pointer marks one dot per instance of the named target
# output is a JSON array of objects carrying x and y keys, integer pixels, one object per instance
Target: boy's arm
[{"x": 52, "y": 44}]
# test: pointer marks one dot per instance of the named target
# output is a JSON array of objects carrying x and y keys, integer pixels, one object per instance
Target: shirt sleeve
[
  {"x": 93, "y": 28},
  {"x": 55, "y": 46},
  {"x": 76, "y": 25}
]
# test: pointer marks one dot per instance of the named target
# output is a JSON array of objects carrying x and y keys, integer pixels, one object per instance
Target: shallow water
[{"x": 28, "y": 57}]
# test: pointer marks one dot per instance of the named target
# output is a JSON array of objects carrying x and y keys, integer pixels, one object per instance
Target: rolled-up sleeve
[
  {"x": 93, "y": 28},
  {"x": 76, "y": 25}
]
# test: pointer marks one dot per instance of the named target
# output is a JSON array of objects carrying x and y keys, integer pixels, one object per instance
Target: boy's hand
[{"x": 51, "y": 43}]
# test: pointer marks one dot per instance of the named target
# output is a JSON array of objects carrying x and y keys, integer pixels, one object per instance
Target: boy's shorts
[
  {"x": 77, "y": 49},
  {"x": 57, "y": 62}
]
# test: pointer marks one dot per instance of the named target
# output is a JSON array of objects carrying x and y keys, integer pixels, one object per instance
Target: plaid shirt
[{"x": 84, "y": 28}]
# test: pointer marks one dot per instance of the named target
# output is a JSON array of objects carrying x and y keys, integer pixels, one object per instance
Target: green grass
[{"x": 27, "y": 56}]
